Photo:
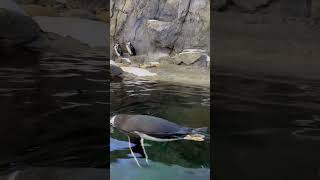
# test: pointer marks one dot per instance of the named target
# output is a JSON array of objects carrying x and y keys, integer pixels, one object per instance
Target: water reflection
[
  {"x": 52, "y": 112},
  {"x": 267, "y": 127}
]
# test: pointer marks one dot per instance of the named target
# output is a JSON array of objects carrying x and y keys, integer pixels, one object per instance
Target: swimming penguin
[
  {"x": 140, "y": 127},
  {"x": 118, "y": 49},
  {"x": 130, "y": 49}
]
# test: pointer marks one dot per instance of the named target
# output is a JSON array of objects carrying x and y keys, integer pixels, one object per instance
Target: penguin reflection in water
[{"x": 141, "y": 127}]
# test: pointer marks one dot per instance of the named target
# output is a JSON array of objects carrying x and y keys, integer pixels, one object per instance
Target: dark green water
[
  {"x": 188, "y": 106},
  {"x": 53, "y": 117},
  {"x": 266, "y": 127}
]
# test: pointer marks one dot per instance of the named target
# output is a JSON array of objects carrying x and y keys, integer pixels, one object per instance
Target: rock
[
  {"x": 11, "y": 6},
  {"x": 251, "y": 5},
  {"x": 79, "y": 13},
  {"x": 115, "y": 70},
  {"x": 163, "y": 34},
  {"x": 103, "y": 15},
  {"x": 92, "y": 5},
  {"x": 93, "y": 33},
  {"x": 199, "y": 59},
  {"x": 17, "y": 29},
  {"x": 37, "y": 10},
  {"x": 138, "y": 71},
  {"x": 161, "y": 27},
  {"x": 186, "y": 58}
]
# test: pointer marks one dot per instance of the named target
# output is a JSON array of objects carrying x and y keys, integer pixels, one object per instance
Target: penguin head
[
  {"x": 128, "y": 43},
  {"x": 112, "y": 119}
]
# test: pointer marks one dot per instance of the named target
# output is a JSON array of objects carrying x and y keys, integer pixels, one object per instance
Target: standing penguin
[
  {"x": 130, "y": 49},
  {"x": 118, "y": 49}
]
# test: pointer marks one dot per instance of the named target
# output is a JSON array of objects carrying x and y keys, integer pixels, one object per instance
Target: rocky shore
[{"x": 171, "y": 38}]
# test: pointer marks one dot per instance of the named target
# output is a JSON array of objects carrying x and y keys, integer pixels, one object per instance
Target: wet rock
[
  {"x": 17, "y": 29},
  {"x": 138, "y": 71},
  {"x": 115, "y": 70}
]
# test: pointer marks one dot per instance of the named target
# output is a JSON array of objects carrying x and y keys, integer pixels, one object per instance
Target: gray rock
[
  {"x": 115, "y": 70},
  {"x": 187, "y": 58},
  {"x": 17, "y": 29},
  {"x": 250, "y": 5},
  {"x": 158, "y": 27},
  {"x": 93, "y": 33},
  {"x": 11, "y": 6}
]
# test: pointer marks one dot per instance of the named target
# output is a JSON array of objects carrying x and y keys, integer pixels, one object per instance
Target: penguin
[
  {"x": 141, "y": 127},
  {"x": 130, "y": 49},
  {"x": 117, "y": 49}
]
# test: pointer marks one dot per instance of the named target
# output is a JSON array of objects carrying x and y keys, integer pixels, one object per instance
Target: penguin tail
[{"x": 202, "y": 130}]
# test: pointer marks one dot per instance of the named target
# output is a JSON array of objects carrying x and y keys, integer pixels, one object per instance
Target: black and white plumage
[
  {"x": 130, "y": 49},
  {"x": 118, "y": 50},
  {"x": 140, "y": 127}
]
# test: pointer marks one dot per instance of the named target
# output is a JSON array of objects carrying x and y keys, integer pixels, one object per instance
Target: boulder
[
  {"x": 187, "y": 58},
  {"x": 115, "y": 70},
  {"x": 17, "y": 29},
  {"x": 198, "y": 59}
]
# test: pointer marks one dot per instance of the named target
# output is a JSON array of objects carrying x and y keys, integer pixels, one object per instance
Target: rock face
[
  {"x": 17, "y": 29},
  {"x": 92, "y": 5},
  {"x": 161, "y": 27}
]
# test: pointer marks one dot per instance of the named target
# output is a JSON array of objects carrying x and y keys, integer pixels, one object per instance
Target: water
[
  {"x": 187, "y": 106},
  {"x": 267, "y": 127},
  {"x": 53, "y": 114}
]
